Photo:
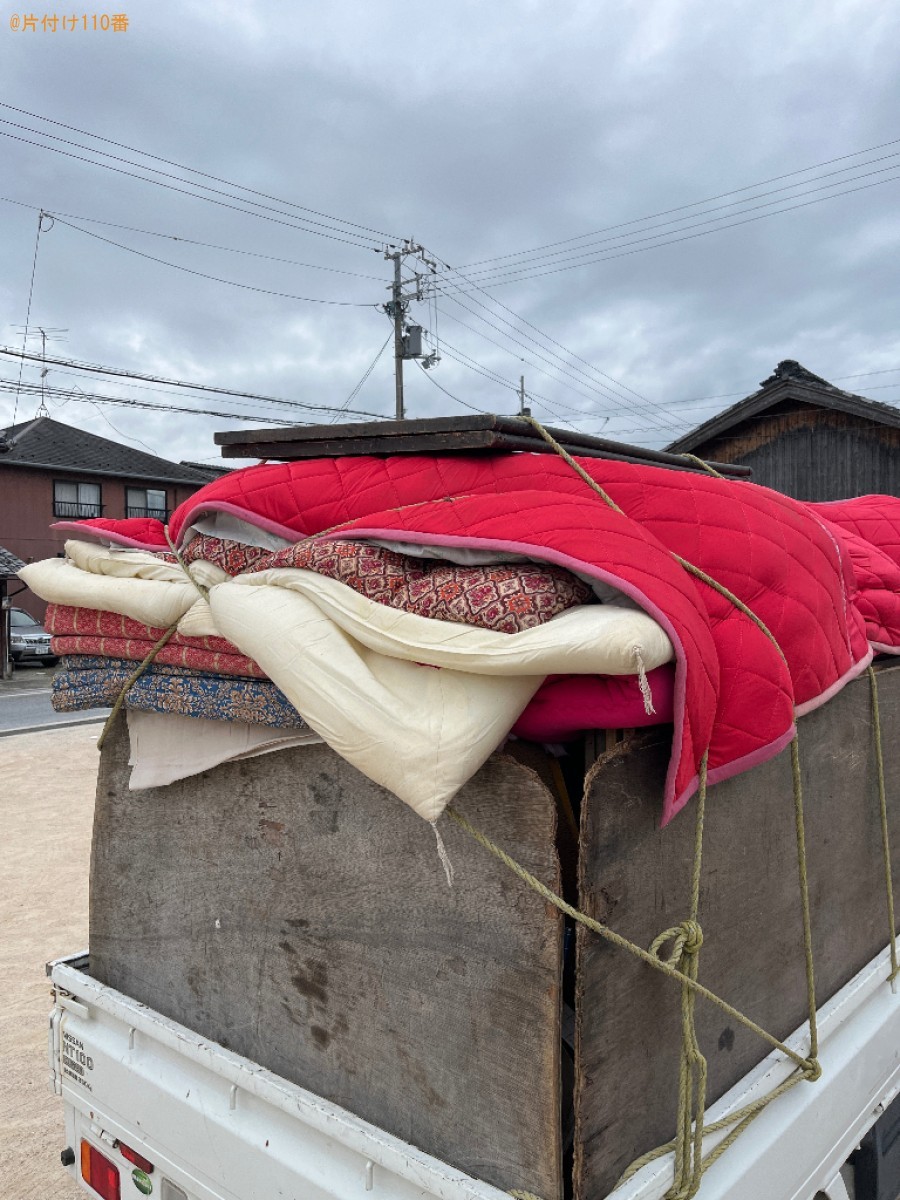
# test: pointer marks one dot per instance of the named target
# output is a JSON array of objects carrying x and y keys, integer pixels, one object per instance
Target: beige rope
[
  {"x": 204, "y": 592},
  {"x": 885, "y": 837},
  {"x": 710, "y": 470},
  {"x": 155, "y": 649},
  {"x": 687, "y": 938},
  {"x": 609, "y": 935},
  {"x": 132, "y": 679}
]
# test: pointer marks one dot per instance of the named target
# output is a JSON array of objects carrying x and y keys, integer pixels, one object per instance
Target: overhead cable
[
  {"x": 37, "y": 242},
  {"x": 622, "y": 395},
  {"x": 247, "y": 287},
  {"x": 563, "y": 257},
  {"x": 441, "y": 388},
  {"x": 574, "y": 379},
  {"x": 693, "y": 204},
  {"x": 9, "y": 385},
  {"x": 290, "y": 223},
  {"x": 502, "y": 280},
  {"x": 457, "y": 355},
  {"x": 546, "y": 336},
  {"x": 301, "y": 208},
  {"x": 188, "y": 241},
  {"x": 117, "y": 372},
  {"x": 371, "y": 367}
]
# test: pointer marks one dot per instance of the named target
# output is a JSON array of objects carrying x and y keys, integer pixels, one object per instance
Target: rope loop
[{"x": 686, "y": 939}]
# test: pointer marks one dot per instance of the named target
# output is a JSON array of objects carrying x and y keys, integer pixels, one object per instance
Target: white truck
[
  {"x": 153, "y": 1109},
  {"x": 284, "y": 917}
]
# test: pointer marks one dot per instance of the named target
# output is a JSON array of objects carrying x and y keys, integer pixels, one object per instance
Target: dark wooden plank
[
  {"x": 454, "y": 435},
  {"x": 462, "y": 442},
  {"x": 636, "y": 877},
  {"x": 290, "y": 909},
  {"x": 360, "y": 429},
  {"x": 466, "y": 442}
]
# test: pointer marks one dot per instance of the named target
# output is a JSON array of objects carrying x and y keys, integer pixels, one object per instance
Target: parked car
[{"x": 28, "y": 639}]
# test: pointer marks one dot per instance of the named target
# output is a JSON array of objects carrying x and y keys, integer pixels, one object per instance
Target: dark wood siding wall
[{"x": 813, "y": 453}]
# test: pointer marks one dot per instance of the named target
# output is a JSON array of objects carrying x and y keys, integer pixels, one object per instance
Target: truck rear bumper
[
  {"x": 215, "y": 1124},
  {"x": 222, "y": 1128}
]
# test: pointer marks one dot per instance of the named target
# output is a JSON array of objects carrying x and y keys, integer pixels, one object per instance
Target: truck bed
[{"x": 219, "y": 1127}]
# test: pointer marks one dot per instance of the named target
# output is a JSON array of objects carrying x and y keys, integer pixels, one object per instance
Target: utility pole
[
  {"x": 523, "y": 411},
  {"x": 398, "y": 307},
  {"x": 406, "y": 344}
]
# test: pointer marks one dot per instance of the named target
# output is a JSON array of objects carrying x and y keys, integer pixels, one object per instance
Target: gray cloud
[{"x": 482, "y": 132}]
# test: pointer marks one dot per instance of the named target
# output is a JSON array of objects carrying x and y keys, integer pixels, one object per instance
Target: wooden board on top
[
  {"x": 290, "y": 909},
  {"x": 636, "y": 877},
  {"x": 483, "y": 432}
]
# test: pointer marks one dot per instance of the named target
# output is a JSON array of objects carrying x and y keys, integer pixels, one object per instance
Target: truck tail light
[
  {"x": 99, "y": 1173},
  {"x": 134, "y": 1157}
]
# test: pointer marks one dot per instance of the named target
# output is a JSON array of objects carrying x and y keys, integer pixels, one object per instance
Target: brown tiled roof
[
  {"x": 9, "y": 563},
  {"x": 50, "y": 444},
  {"x": 789, "y": 381}
]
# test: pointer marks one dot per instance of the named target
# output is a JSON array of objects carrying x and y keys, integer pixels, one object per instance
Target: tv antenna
[{"x": 44, "y": 334}]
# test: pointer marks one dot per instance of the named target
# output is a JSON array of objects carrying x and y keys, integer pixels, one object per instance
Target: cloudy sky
[{"x": 592, "y": 173}]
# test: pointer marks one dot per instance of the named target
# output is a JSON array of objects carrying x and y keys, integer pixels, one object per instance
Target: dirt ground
[{"x": 46, "y": 808}]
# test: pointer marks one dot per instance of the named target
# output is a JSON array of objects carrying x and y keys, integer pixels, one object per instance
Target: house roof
[
  {"x": 207, "y": 470},
  {"x": 9, "y": 563},
  {"x": 51, "y": 445},
  {"x": 789, "y": 381}
]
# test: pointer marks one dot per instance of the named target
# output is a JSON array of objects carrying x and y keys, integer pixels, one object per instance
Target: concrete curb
[{"x": 52, "y": 725}]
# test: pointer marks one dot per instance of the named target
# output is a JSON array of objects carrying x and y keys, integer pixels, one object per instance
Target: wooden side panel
[
  {"x": 813, "y": 453},
  {"x": 289, "y": 909},
  {"x": 636, "y": 878}
]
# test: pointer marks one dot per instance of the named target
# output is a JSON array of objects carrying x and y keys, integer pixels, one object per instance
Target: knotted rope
[
  {"x": 885, "y": 838},
  {"x": 154, "y": 650},
  {"x": 687, "y": 938}
]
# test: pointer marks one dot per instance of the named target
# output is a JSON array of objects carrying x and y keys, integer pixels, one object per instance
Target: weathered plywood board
[
  {"x": 437, "y": 435},
  {"x": 288, "y": 908},
  {"x": 636, "y": 878}
]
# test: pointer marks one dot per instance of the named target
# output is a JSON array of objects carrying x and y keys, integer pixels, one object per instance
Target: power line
[
  {"x": 314, "y": 225},
  {"x": 215, "y": 278},
  {"x": 547, "y": 337},
  {"x": 603, "y": 394},
  {"x": 502, "y": 280},
  {"x": 553, "y": 406},
  {"x": 366, "y": 374},
  {"x": 121, "y": 382},
  {"x": 441, "y": 388},
  {"x": 622, "y": 399},
  {"x": 464, "y": 360},
  {"x": 37, "y": 242},
  {"x": 291, "y": 224},
  {"x": 560, "y": 257},
  {"x": 193, "y": 170},
  {"x": 174, "y": 237},
  {"x": 116, "y": 372},
  {"x": 694, "y": 204},
  {"x": 8, "y": 385},
  {"x": 114, "y": 428},
  {"x": 79, "y": 396}
]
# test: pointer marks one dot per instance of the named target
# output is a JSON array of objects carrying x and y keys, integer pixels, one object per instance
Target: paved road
[
  {"x": 25, "y": 702},
  {"x": 46, "y": 806}
]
